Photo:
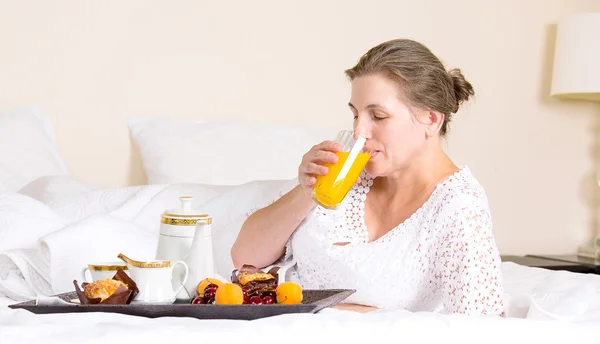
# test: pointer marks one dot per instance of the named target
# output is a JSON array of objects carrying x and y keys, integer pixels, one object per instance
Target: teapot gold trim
[{"x": 185, "y": 222}]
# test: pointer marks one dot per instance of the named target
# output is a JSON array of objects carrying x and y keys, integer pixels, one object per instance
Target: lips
[{"x": 374, "y": 152}]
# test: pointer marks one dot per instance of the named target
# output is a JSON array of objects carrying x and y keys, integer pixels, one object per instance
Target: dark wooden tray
[{"x": 313, "y": 301}]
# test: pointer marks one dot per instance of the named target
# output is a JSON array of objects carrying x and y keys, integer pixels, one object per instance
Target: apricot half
[
  {"x": 229, "y": 294},
  {"x": 289, "y": 293}
]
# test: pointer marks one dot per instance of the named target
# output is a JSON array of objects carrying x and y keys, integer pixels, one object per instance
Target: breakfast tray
[{"x": 313, "y": 301}]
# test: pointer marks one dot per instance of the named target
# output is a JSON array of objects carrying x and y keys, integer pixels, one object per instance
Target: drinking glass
[{"x": 331, "y": 189}]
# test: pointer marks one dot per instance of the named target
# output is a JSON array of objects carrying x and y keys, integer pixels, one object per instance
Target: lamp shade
[{"x": 576, "y": 69}]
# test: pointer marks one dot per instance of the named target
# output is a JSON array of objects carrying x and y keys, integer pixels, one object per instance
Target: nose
[{"x": 362, "y": 128}]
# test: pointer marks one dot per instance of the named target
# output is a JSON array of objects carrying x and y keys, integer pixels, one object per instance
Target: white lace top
[{"x": 442, "y": 258}]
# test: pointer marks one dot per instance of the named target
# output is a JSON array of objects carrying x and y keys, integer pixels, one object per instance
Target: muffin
[
  {"x": 120, "y": 290},
  {"x": 102, "y": 289}
]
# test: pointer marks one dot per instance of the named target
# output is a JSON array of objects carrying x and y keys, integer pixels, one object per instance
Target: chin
[{"x": 372, "y": 170}]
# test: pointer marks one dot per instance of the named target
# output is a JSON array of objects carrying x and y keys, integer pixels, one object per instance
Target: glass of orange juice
[{"x": 332, "y": 188}]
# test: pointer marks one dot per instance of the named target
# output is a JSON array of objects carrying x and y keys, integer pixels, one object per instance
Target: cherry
[
  {"x": 255, "y": 300},
  {"x": 198, "y": 300},
  {"x": 245, "y": 291},
  {"x": 211, "y": 286},
  {"x": 253, "y": 291},
  {"x": 268, "y": 293},
  {"x": 210, "y": 294},
  {"x": 267, "y": 300},
  {"x": 210, "y": 291}
]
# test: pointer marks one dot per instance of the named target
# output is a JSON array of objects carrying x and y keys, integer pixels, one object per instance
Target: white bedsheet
[
  {"x": 54, "y": 226},
  {"x": 403, "y": 327}
]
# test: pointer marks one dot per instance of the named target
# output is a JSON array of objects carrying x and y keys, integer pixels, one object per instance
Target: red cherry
[
  {"x": 252, "y": 291},
  {"x": 198, "y": 300},
  {"x": 211, "y": 286},
  {"x": 268, "y": 292},
  {"x": 267, "y": 300},
  {"x": 245, "y": 291},
  {"x": 255, "y": 300},
  {"x": 209, "y": 294},
  {"x": 210, "y": 291}
]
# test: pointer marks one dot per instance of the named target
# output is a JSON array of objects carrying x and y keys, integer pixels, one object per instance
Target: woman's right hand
[{"x": 313, "y": 161}]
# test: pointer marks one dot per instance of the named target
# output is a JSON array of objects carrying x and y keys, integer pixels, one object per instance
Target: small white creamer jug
[{"x": 154, "y": 280}]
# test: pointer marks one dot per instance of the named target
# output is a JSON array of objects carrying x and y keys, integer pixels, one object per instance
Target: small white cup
[{"x": 102, "y": 270}]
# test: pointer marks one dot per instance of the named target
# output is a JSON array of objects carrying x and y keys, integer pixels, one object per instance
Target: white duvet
[{"x": 55, "y": 225}]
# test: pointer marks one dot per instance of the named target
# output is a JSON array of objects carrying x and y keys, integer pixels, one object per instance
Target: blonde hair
[{"x": 419, "y": 74}]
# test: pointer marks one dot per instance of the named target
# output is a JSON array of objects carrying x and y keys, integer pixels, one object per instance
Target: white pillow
[
  {"x": 221, "y": 152},
  {"x": 28, "y": 148}
]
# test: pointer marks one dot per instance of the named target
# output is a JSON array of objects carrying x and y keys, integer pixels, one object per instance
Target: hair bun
[{"x": 463, "y": 90}]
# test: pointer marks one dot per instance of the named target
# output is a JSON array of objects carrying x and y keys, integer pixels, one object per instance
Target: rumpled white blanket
[
  {"x": 52, "y": 228},
  {"x": 55, "y": 226}
]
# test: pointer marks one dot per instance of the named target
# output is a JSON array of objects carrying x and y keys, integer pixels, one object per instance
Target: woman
[{"x": 415, "y": 232}]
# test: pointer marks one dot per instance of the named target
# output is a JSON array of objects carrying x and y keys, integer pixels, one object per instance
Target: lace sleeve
[
  {"x": 287, "y": 252},
  {"x": 469, "y": 263}
]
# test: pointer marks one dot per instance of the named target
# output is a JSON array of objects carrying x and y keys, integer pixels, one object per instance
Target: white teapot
[
  {"x": 154, "y": 280},
  {"x": 185, "y": 235}
]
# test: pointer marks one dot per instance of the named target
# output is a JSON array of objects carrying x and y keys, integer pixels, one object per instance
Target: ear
[{"x": 432, "y": 120}]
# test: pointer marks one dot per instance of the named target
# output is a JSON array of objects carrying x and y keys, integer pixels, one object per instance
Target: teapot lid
[{"x": 185, "y": 211}]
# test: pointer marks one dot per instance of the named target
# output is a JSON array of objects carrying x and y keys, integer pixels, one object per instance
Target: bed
[{"x": 47, "y": 218}]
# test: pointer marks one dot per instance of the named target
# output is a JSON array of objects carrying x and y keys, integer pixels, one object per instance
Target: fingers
[
  {"x": 309, "y": 172},
  {"x": 324, "y": 156},
  {"x": 315, "y": 169},
  {"x": 324, "y": 151},
  {"x": 328, "y": 146},
  {"x": 311, "y": 165},
  {"x": 309, "y": 181}
]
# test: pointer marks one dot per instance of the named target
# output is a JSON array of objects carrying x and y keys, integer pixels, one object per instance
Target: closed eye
[
  {"x": 375, "y": 117},
  {"x": 378, "y": 117}
]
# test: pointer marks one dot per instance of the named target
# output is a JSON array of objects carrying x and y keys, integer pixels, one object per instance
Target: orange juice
[{"x": 331, "y": 188}]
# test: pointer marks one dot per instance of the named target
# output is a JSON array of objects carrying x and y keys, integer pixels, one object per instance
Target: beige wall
[{"x": 91, "y": 64}]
